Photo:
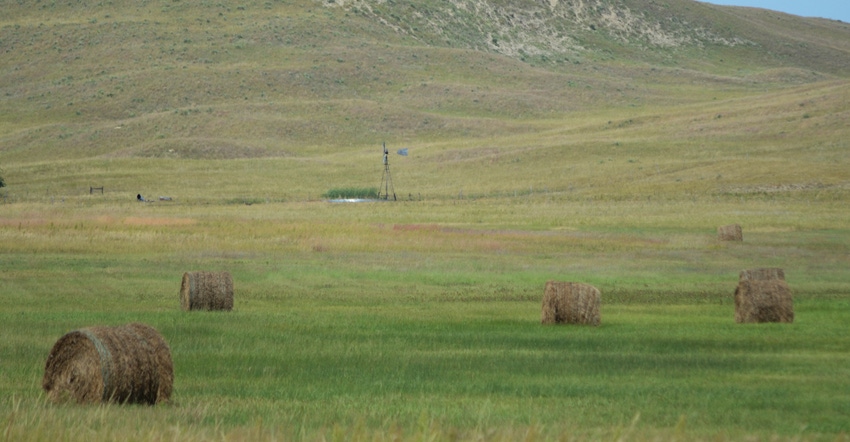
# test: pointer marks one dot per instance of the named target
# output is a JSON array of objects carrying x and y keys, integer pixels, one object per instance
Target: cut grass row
[
  {"x": 384, "y": 316},
  {"x": 310, "y": 365}
]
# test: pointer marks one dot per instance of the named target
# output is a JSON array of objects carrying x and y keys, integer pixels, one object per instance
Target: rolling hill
[{"x": 305, "y": 83}]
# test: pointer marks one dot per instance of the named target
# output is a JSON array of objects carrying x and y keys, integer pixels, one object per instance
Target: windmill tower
[{"x": 387, "y": 179}]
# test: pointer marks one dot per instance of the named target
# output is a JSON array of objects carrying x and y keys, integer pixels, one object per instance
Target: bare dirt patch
[{"x": 137, "y": 221}]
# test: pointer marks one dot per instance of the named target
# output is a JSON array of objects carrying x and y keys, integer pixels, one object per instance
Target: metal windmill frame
[{"x": 387, "y": 179}]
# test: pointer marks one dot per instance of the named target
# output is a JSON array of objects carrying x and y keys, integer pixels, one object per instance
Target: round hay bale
[
  {"x": 732, "y": 232},
  {"x": 124, "y": 364},
  {"x": 206, "y": 291},
  {"x": 763, "y": 274},
  {"x": 763, "y": 301},
  {"x": 570, "y": 303}
]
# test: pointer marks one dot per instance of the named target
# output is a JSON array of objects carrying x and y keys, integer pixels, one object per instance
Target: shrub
[{"x": 351, "y": 192}]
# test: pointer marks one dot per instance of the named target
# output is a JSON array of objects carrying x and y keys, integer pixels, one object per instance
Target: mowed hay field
[
  {"x": 420, "y": 319},
  {"x": 352, "y": 322}
]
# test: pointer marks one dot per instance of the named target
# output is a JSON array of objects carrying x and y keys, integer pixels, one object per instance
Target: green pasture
[
  {"x": 420, "y": 320},
  {"x": 470, "y": 366}
]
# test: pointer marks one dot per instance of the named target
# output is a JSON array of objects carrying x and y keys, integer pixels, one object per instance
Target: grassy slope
[
  {"x": 612, "y": 164},
  {"x": 304, "y": 87},
  {"x": 268, "y": 79}
]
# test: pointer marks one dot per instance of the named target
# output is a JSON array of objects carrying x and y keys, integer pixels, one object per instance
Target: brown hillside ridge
[
  {"x": 256, "y": 85},
  {"x": 553, "y": 28},
  {"x": 124, "y": 364}
]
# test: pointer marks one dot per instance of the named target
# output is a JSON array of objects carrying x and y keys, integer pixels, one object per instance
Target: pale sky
[{"x": 834, "y": 9}]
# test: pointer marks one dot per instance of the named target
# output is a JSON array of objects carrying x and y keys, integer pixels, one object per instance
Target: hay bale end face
[
  {"x": 206, "y": 291},
  {"x": 570, "y": 303},
  {"x": 763, "y": 295},
  {"x": 759, "y": 301},
  {"x": 732, "y": 232},
  {"x": 124, "y": 364}
]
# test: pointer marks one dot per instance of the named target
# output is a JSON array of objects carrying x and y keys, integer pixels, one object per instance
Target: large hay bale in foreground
[
  {"x": 732, "y": 232},
  {"x": 206, "y": 291},
  {"x": 763, "y": 301},
  {"x": 570, "y": 303},
  {"x": 762, "y": 274},
  {"x": 124, "y": 364}
]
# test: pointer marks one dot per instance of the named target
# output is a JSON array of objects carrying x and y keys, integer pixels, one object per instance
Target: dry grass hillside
[
  {"x": 554, "y": 32},
  {"x": 546, "y": 82}
]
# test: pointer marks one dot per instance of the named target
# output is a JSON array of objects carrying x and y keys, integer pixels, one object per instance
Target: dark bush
[{"x": 345, "y": 193}]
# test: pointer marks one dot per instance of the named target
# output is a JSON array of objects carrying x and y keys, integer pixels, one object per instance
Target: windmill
[{"x": 387, "y": 179}]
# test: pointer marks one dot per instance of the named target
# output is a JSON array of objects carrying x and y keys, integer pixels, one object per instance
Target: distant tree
[{"x": 2, "y": 183}]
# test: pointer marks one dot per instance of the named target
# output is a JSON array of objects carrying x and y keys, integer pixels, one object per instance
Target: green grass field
[
  {"x": 351, "y": 321},
  {"x": 547, "y": 141}
]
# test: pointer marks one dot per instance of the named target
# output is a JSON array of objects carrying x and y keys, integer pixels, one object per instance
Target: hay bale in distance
[
  {"x": 763, "y": 295},
  {"x": 206, "y": 291},
  {"x": 570, "y": 303},
  {"x": 762, "y": 274},
  {"x": 732, "y": 232},
  {"x": 124, "y": 364},
  {"x": 763, "y": 301}
]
